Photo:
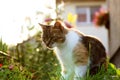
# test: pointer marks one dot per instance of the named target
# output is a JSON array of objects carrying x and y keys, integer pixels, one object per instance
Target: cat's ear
[
  {"x": 58, "y": 25},
  {"x": 42, "y": 26}
]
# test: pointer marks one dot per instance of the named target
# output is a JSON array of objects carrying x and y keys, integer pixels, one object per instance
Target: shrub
[
  {"x": 40, "y": 61},
  {"x": 10, "y": 70}
]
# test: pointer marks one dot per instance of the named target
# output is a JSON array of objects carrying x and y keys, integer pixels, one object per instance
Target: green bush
[
  {"x": 10, "y": 70},
  {"x": 14, "y": 72},
  {"x": 40, "y": 61}
]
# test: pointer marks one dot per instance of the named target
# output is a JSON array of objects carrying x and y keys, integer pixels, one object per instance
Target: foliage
[
  {"x": 14, "y": 72},
  {"x": 10, "y": 70},
  {"x": 3, "y": 46},
  {"x": 40, "y": 61},
  {"x": 112, "y": 73}
]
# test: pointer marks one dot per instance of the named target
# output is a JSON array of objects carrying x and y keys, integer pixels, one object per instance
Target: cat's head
[{"x": 53, "y": 35}]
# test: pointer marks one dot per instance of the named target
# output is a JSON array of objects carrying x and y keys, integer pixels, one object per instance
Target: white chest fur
[
  {"x": 64, "y": 51},
  {"x": 64, "y": 54}
]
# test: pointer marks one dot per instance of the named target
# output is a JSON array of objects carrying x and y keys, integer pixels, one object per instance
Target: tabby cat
[{"x": 75, "y": 51}]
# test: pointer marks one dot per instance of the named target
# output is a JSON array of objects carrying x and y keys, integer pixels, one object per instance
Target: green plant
[
  {"x": 112, "y": 73},
  {"x": 40, "y": 61},
  {"x": 14, "y": 72},
  {"x": 9, "y": 68},
  {"x": 3, "y": 46},
  {"x": 3, "y": 49}
]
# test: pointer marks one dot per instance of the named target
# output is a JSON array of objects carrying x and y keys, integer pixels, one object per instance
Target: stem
[{"x": 5, "y": 54}]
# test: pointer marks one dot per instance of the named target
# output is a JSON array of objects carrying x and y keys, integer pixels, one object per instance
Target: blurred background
[
  {"x": 21, "y": 46},
  {"x": 18, "y": 17}
]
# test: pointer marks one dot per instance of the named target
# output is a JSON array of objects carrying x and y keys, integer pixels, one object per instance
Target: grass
[{"x": 112, "y": 73}]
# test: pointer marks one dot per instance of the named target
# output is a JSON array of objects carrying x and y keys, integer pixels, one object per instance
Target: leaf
[{"x": 118, "y": 72}]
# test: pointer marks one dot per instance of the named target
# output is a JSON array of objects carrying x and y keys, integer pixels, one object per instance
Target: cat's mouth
[
  {"x": 51, "y": 48},
  {"x": 51, "y": 45}
]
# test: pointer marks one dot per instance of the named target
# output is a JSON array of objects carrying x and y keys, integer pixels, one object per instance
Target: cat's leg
[
  {"x": 67, "y": 74},
  {"x": 80, "y": 71}
]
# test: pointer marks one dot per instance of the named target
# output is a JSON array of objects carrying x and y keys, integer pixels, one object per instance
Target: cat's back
[
  {"x": 96, "y": 52},
  {"x": 92, "y": 44},
  {"x": 90, "y": 48},
  {"x": 94, "y": 47}
]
